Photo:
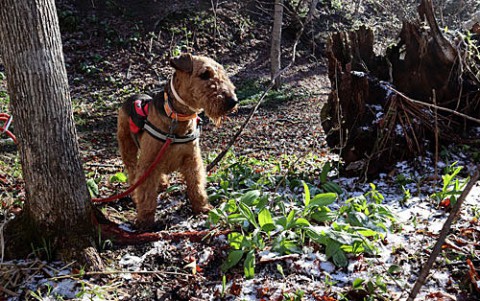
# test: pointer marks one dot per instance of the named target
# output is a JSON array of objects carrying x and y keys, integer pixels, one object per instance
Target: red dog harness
[
  {"x": 139, "y": 116},
  {"x": 138, "y": 122}
]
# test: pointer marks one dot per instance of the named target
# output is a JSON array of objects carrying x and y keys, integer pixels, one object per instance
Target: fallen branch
[
  {"x": 442, "y": 237},
  {"x": 111, "y": 231}
]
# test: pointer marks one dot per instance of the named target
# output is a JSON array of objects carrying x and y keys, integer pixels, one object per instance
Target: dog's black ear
[{"x": 183, "y": 62}]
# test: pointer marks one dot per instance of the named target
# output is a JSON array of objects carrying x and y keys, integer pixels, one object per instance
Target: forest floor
[{"x": 283, "y": 146}]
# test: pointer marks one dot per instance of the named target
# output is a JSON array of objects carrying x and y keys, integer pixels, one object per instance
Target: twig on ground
[
  {"x": 119, "y": 166},
  {"x": 442, "y": 236},
  {"x": 8, "y": 292}
]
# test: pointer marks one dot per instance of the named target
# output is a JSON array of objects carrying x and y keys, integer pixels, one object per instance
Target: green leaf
[
  {"x": 92, "y": 187},
  {"x": 323, "y": 199},
  {"x": 248, "y": 214},
  {"x": 265, "y": 217},
  {"x": 332, "y": 187},
  {"x": 357, "y": 219},
  {"x": 236, "y": 219},
  {"x": 214, "y": 215},
  {"x": 366, "y": 232},
  {"x": 357, "y": 283},
  {"x": 343, "y": 238},
  {"x": 323, "y": 215},
  {"x": 249, "y": 265},
  {"x": 325, "y": 170},
  {"x": 118, "y": 177},
  {"x": 232, "y": 260},
  {"x": 395, "y": 269},
  {"x": 301, "y": 223},
  {"x": 250, "y": 197},
  {"x": 235, "y": 239},
  {"x": 316, "y": 236},
  {"x": 280, "y": 270},
  {"x": 356, "y": 248},
  {"x": 262, "y": 203},
  {"x": 306, "y": 199},
  {"x": 333, "y": 250},
  {"x": 265, "y": 220},
  {"x": 339, "y": 258},
  {"x": 286, "y": 246},
  {"x": 282, "y": 221},
  {"x": 290, "y": 218}
]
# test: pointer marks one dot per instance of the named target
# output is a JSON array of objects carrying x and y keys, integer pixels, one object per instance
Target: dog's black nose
[{"x": 231, "y": 102}]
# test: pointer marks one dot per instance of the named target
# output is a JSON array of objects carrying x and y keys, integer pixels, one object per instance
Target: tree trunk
[
  {"x": 57, "y": 209},
  {"x": 275, "y": 51}
]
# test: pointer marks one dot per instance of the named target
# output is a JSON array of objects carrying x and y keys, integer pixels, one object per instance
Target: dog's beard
[{"x": 217, "y": 120}]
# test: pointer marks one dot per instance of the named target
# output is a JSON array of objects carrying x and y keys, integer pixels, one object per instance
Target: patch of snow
[
  {"x": 126, "y": 227},
  {"x": 358, "y": 73},
  {"x": 131, "y": 262},
  {"x": 342, "y": 277},
  {"x": 204, "y": 255},
  {"x": 65, "y": 288},
  {"x": 327, "y": 266}
]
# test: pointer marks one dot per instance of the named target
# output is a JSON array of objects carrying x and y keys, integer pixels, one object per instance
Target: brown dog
[{"x": 198, "y": 84}]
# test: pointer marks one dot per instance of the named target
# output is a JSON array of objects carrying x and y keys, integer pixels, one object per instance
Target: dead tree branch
[{"x": 443, "y": 235}]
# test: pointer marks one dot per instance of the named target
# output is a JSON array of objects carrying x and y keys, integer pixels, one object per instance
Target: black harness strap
[{"x": 139, "y": 122}]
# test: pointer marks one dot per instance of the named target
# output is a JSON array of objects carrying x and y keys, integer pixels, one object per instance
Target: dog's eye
[{"x": 206, "y": 75}]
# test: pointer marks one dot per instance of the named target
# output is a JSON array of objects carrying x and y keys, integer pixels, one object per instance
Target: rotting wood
[{"x": 370, "y": 123}]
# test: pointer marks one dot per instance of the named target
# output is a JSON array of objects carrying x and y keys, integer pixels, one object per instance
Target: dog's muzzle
[{"x": 231, "y": 102}]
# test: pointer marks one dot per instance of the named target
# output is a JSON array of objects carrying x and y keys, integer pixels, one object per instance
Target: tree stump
[{"x": 373, "y": 116}]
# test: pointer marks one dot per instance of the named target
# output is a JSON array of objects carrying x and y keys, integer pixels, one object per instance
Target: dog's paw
[
  {"x": 144, "y": 225},
  {"x": 202, "y": 209}
]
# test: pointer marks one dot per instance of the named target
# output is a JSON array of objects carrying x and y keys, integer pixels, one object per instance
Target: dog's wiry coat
[{"x": 203, "y": 85}]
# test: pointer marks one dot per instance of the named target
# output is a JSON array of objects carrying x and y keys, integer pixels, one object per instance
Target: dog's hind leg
[
  {"x": 193, "y": 171},
  {"x": 127, "y": 145}
]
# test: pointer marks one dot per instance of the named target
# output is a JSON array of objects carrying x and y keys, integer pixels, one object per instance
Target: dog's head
[{"x": 203, "y": 84}]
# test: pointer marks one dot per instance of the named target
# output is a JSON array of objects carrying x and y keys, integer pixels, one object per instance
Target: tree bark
[
  {"x": 275, "y": 51},
  {"x": 57, "y": 209}
]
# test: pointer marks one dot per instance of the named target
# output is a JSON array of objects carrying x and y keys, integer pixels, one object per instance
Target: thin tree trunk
[
  {"x": 275, "y": 51},
  {"x": 57, "y": 206}
]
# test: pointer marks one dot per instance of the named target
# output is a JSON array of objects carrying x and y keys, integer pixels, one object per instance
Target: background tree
[
  {"x": 57, "y": 212},
  {"x": 275, "y": 51}
]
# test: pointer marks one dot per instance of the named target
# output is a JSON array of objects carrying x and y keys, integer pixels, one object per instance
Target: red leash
[
  {"x": 139, "y": 181},
  {"x": 7, "y": 120}
]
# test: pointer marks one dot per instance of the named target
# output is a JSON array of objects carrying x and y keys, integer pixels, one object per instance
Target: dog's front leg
[
  {"x": 145, "y": 195},
  {"x": 193, "y": 171}
]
